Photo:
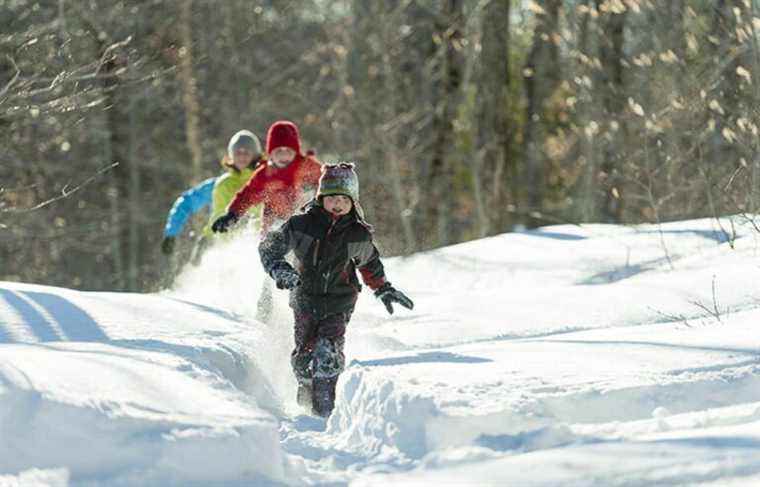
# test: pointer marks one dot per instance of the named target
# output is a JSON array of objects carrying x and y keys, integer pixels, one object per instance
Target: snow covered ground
[{"x": 594, "y": 355}]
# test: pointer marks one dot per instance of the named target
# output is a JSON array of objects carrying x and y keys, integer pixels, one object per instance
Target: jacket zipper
[
  {"x": 325, "y": 275},
  {"x": 316, "y": 253}
]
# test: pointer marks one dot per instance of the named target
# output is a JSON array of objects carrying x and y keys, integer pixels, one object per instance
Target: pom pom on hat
[{"x": 339, "y": 179}]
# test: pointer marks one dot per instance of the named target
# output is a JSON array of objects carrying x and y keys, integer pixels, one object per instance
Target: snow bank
[
  {"x": 373, "y": 418},
  {"x": 104, "y": 412},
  {"x": 537, "y": 358},
  {"x": 37, "y": 478},
  {"x": 125, "y": 388}
]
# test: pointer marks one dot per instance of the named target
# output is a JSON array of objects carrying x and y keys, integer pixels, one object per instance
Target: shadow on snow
[
  {"x": 73, "y": 322},
  {"x": 426, "y": 357}
]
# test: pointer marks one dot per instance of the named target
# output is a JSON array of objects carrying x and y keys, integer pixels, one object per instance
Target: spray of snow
[{"x": 230, "y": 277}]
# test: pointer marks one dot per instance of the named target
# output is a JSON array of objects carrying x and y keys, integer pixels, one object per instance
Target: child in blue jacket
[{"x": 186, "y": 205}]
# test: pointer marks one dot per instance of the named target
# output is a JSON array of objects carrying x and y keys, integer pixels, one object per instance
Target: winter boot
[
  {"x": 324, "y": 395},
  {"x": 303, "y": 397}
]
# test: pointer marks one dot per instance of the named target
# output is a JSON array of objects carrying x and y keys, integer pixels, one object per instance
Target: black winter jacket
[{"x": 327, "y": 253}]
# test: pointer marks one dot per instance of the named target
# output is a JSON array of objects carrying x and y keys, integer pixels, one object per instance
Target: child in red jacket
[
  {"x": 331, "y": 241},
  {"x": 280, "y": 183},
  {"x": 283, "y": 183}
]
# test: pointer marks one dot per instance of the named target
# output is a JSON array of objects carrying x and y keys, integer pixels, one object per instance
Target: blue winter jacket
[{"x": 187, "y": 204}]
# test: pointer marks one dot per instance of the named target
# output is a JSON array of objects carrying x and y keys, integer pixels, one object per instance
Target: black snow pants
[{"x": 318, "y": 351}]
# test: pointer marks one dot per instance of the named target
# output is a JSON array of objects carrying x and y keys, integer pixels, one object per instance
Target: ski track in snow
[{"x": 533, "y": 358}]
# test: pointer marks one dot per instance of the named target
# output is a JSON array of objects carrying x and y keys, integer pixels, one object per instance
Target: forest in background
[{"x": 466, "y": 118}]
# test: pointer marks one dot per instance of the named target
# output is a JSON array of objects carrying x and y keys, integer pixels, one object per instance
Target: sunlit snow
[{"x": 568, "y": 355}]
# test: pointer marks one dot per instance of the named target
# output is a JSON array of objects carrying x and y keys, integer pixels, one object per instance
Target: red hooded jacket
[{"x": 281, "y": 190}]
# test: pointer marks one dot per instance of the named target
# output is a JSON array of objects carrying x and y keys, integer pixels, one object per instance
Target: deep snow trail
[
  {"x": 558, "y": 352},
  {"x": 642, "y": 355}
]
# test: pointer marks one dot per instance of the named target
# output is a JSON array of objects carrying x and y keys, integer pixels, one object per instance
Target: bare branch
[
  {"x": 715, "y": 311},
  {"x": 107, "y": 52},
  {"x": 35, "y": 86},
  {"x": 65, "y": 192},
  {"x": 733, "y": 176},
  {"x": 673, "y": 318},
  {"x": 13, "y": 80}
]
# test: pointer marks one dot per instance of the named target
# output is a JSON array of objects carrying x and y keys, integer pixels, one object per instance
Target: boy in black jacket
[{"x": 330, "y": 241}]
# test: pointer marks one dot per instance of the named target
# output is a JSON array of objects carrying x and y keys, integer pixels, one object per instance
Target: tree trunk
[
  {"x": 190, "y": 89},
  {"x": 135, "y": 194},
  {"x": 112, "y": 151},
  {"x": 494, "y": 132},
  {"x": 392, "y": 154},
  {"x": 586, "y": 121},
  {"x": 542, "y": 76},
  {"x": 611, "y": 86},
  {"x": 751, "y": 201},
  {"x": 439, "y": 204}
]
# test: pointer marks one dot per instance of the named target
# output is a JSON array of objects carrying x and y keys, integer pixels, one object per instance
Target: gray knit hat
[
  {"x": 339, "y": 179},
  {"x": 247, "y": 139}
]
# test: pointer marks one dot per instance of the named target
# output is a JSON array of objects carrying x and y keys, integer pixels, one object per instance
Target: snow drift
[{"x": 556, "y": 352}]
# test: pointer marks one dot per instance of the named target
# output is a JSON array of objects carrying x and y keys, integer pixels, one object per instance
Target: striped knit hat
[{"x": 339, "y": 179}]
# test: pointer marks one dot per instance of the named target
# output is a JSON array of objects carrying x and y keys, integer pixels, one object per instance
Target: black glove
[
  {"x": 167, "y": 245},
  {"x": 224, "y": 222},
  {"x": 286, "y": 277},
  {"x": 389, "y": 295}
]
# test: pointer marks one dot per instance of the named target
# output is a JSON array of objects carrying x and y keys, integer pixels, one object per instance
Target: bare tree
[
  {"x": 495, "y": 174},
  {"x": 611, "y": 87},
  {"x": 541, "y": 80},
  {"x": 438, "y": 204},
  {"x": 189, "y": 87}
]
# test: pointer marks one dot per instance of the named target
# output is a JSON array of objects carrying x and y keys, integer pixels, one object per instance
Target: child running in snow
[
  {"x": 243, "y": 155},
  {"x": 330, "y": 241},
  {"x": 187, "y": 204},
  {"x": 282, "y": 184},
  {"x": 278, "y": 183}
]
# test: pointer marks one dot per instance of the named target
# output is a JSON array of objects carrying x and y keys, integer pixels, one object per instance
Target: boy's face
[
  {"x": 282, "y": 156},
  {"x": 337, "y": 204},
  {"x": 242, "y": 158}
]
